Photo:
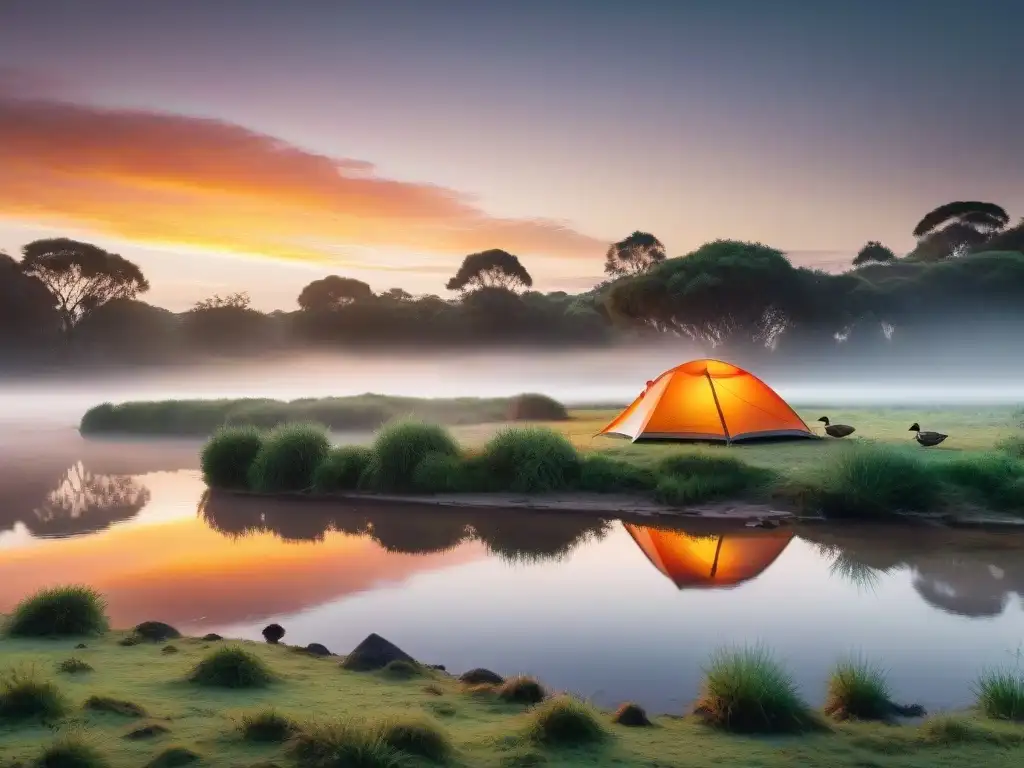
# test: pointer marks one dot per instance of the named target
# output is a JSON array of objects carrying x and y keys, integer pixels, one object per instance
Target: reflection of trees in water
[
  {"x": 75, "y": 503},
  {"x": 967, "y": 574},
  {"x": 863, "y": 576},
  {"x": 516, "y": 537}
]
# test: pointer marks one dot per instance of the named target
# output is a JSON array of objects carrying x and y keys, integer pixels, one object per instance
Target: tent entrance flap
[{"x": 706, "y": 400}]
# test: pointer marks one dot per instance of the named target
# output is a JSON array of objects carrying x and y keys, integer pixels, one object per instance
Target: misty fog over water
[{"x": 576, "y": 377}]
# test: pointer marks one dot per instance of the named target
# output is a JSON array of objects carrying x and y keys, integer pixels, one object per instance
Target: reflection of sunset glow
[
  {"x": 182, "y": 571},
  {"x": 709, "y": 561},
  {"x": 173, "y": 180}
]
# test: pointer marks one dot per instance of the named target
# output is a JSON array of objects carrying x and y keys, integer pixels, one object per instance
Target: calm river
[{"x": 607, "y": 609}]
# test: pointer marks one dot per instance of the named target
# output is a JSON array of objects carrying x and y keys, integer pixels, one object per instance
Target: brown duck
[
  {"x": 927, "y": 439},
  {"x": 836, "y": 430}
]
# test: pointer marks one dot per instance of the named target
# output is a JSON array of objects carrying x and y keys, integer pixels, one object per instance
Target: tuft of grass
[
  {"x": 70, "y": 752},
  {"x": 534, "y": 407},
  {"x": 1000, "y": 694},
  {"x": 401, "y": 446},
  {"x": 996, "y": 480},
  {"x": 603, "y": 474},
  {"x": 114, "y": 706},
  {"x": 565, "y": 721},
  {"x": 521, "y": 689},
  {"x": 74, "y": 665},
  {"x": 228, "y": 456},
  {"x": 402, "y": 669},
  {"x": 747, "y": 691},
  {"x": 345, "y": 743},
  {"x": 341, "y": 469},
  {"x": 441, "y": 473},
  {"x": 857, "y": 690},
  {"x": 267, "y": 726},
  {"x": 174, "y": 757},
  {"x": 872, "y": 481},
  {"x": 954, "y": 730},
  {"x": 692, "y": 478},
  {"x": 24, "y": 696},
  {"x": 231, "y": 667},
  {"x": 289, "y": 456},
  {"x": 65, "y": 611},
  {"x": 418, "y": 736},
  {"x": 530, "y": 460}
]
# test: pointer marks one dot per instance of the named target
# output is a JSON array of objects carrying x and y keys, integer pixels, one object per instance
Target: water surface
[{"x": 609, "y": 609}]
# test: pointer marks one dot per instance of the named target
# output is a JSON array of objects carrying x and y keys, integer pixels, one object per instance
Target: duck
[
  {"x": 927, "y": 439},
  {"x": 837, "y": 430}
]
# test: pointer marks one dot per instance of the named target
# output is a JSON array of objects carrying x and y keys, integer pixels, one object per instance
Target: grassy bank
[
  {"x": 361, "y": 412},
  {"x": 147, "y": 697},
  {"x": 850, "y": 478}
]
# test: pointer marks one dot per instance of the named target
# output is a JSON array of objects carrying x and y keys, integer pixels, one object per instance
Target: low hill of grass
[{"x": 356, "y": 413}]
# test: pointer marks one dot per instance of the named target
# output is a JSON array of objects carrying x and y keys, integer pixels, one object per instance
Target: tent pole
[
  {"x": 718, "y": 407},
  {"x": 718, "y": 549}
]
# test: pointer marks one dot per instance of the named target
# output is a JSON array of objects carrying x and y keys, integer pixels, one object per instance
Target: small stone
[
  {"x": 438, "y": 667},
  {"x": 481, "y": 676},
  {"x": 129, "y": 641},
  {"x": 374, "y": 652},
  {"x": 169, "y": 649},
  {"x": 631, "y": 714},
  {"x": 81, "y": 645},
  {"x": 315, "y": 649},
  {"x": 147, "y": 732},
  {"x": 273, "y": 633},
  {"x": 156, "y": 631},
  {"x": 212, "y": 637}
]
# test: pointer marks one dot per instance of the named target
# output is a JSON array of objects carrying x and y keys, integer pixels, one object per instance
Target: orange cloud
[{"x": 167, "y": 179}]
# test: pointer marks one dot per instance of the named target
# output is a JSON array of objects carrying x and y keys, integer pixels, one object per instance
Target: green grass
[
  {"x": 1000, "y": 694},
  {"x": 229, "y": 455},
  {"x": 746, "y": 690},
  {"x": 483, "y": 732},
  {"x": 521, "y": 689},
  {"x": 419, "y": 736},
  {"x": 697, "y": 477},
  {"x": 231, "y": 667},
  {"x": 1013, "y": 445},
  {"x": 565, "y": 721},
  {"x": 992, "y": 480},
  {"x": 65, "y": 611},
  {"x": 534, "y": 407},
  {"x": 606, "y": 474},
  {"x": 73, "y": 666},
  {"x": 401, "y": 446},
  {"x": 114, "y": 706},
  {"x": 70, "y": 752},
  {"x": 288, "y": 458},
  {"x": 23, "y": 695},
  {"x": 442, "y": 473},
  {"x": 359, "y": 413},
  {"x": 347, "y": 743},
  {"x": 857, "y": 690},
  {"x": 530, "y": 460},
  {"x": 341, "y": 469}
]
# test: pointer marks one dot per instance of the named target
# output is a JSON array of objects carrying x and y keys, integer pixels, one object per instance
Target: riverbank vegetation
[
  {"x": 239, "y": 704},
  {"x": 356, "y": 413},
  {"x": 858, "y": 478}
]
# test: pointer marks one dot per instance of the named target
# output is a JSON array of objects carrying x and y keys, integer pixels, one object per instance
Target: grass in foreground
[
  {"x": 200, "y": 723},
  {"x": 1000, "y": 694},
  {"x": 71, "y": 752},
  {"x": 267, "y": 726},
  {"x": 857, "y": 690},
  {"x": 399, "y": 447},
  {"x": 231, "y": 667},
  {"x": 23, "y": 696},
  {"x": 565, "y": 721},
  {"x": 228, "y": 455},
  {"x": 66, "y": 611},
  {"x": 747, "y": 691},
  {"x": 288, "y": 459}
]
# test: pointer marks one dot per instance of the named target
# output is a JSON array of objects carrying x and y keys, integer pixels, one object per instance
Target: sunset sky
[{"x": 259, "y": 144}]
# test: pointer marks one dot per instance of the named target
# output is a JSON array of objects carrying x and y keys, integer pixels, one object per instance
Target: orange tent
[
  {"x": 720, "y": 561},
  {"x": 707, "y": 400}
]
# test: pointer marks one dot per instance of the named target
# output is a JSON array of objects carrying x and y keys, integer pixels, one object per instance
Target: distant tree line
[{"x": 71, "y": 302}]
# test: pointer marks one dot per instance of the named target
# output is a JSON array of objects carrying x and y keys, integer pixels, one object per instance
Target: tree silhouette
[
  {"x": 633, "y": 255},
  {"x": 86, "y": 503},
  {"x": 81, "y": 277},
  {"x": 874, "y": 251},
  {"x": 332, "y": 292},
  {"x": 956, "y": 227},
  {"x": 26, "y": 306},
  {"x": 490, "y": 269},
  {"x": 231, "y": 301}
]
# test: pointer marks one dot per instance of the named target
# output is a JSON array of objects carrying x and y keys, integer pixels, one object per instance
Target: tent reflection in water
[
  {"x": 708, "y": 400},
  {"x": 718, "y": 561}
]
